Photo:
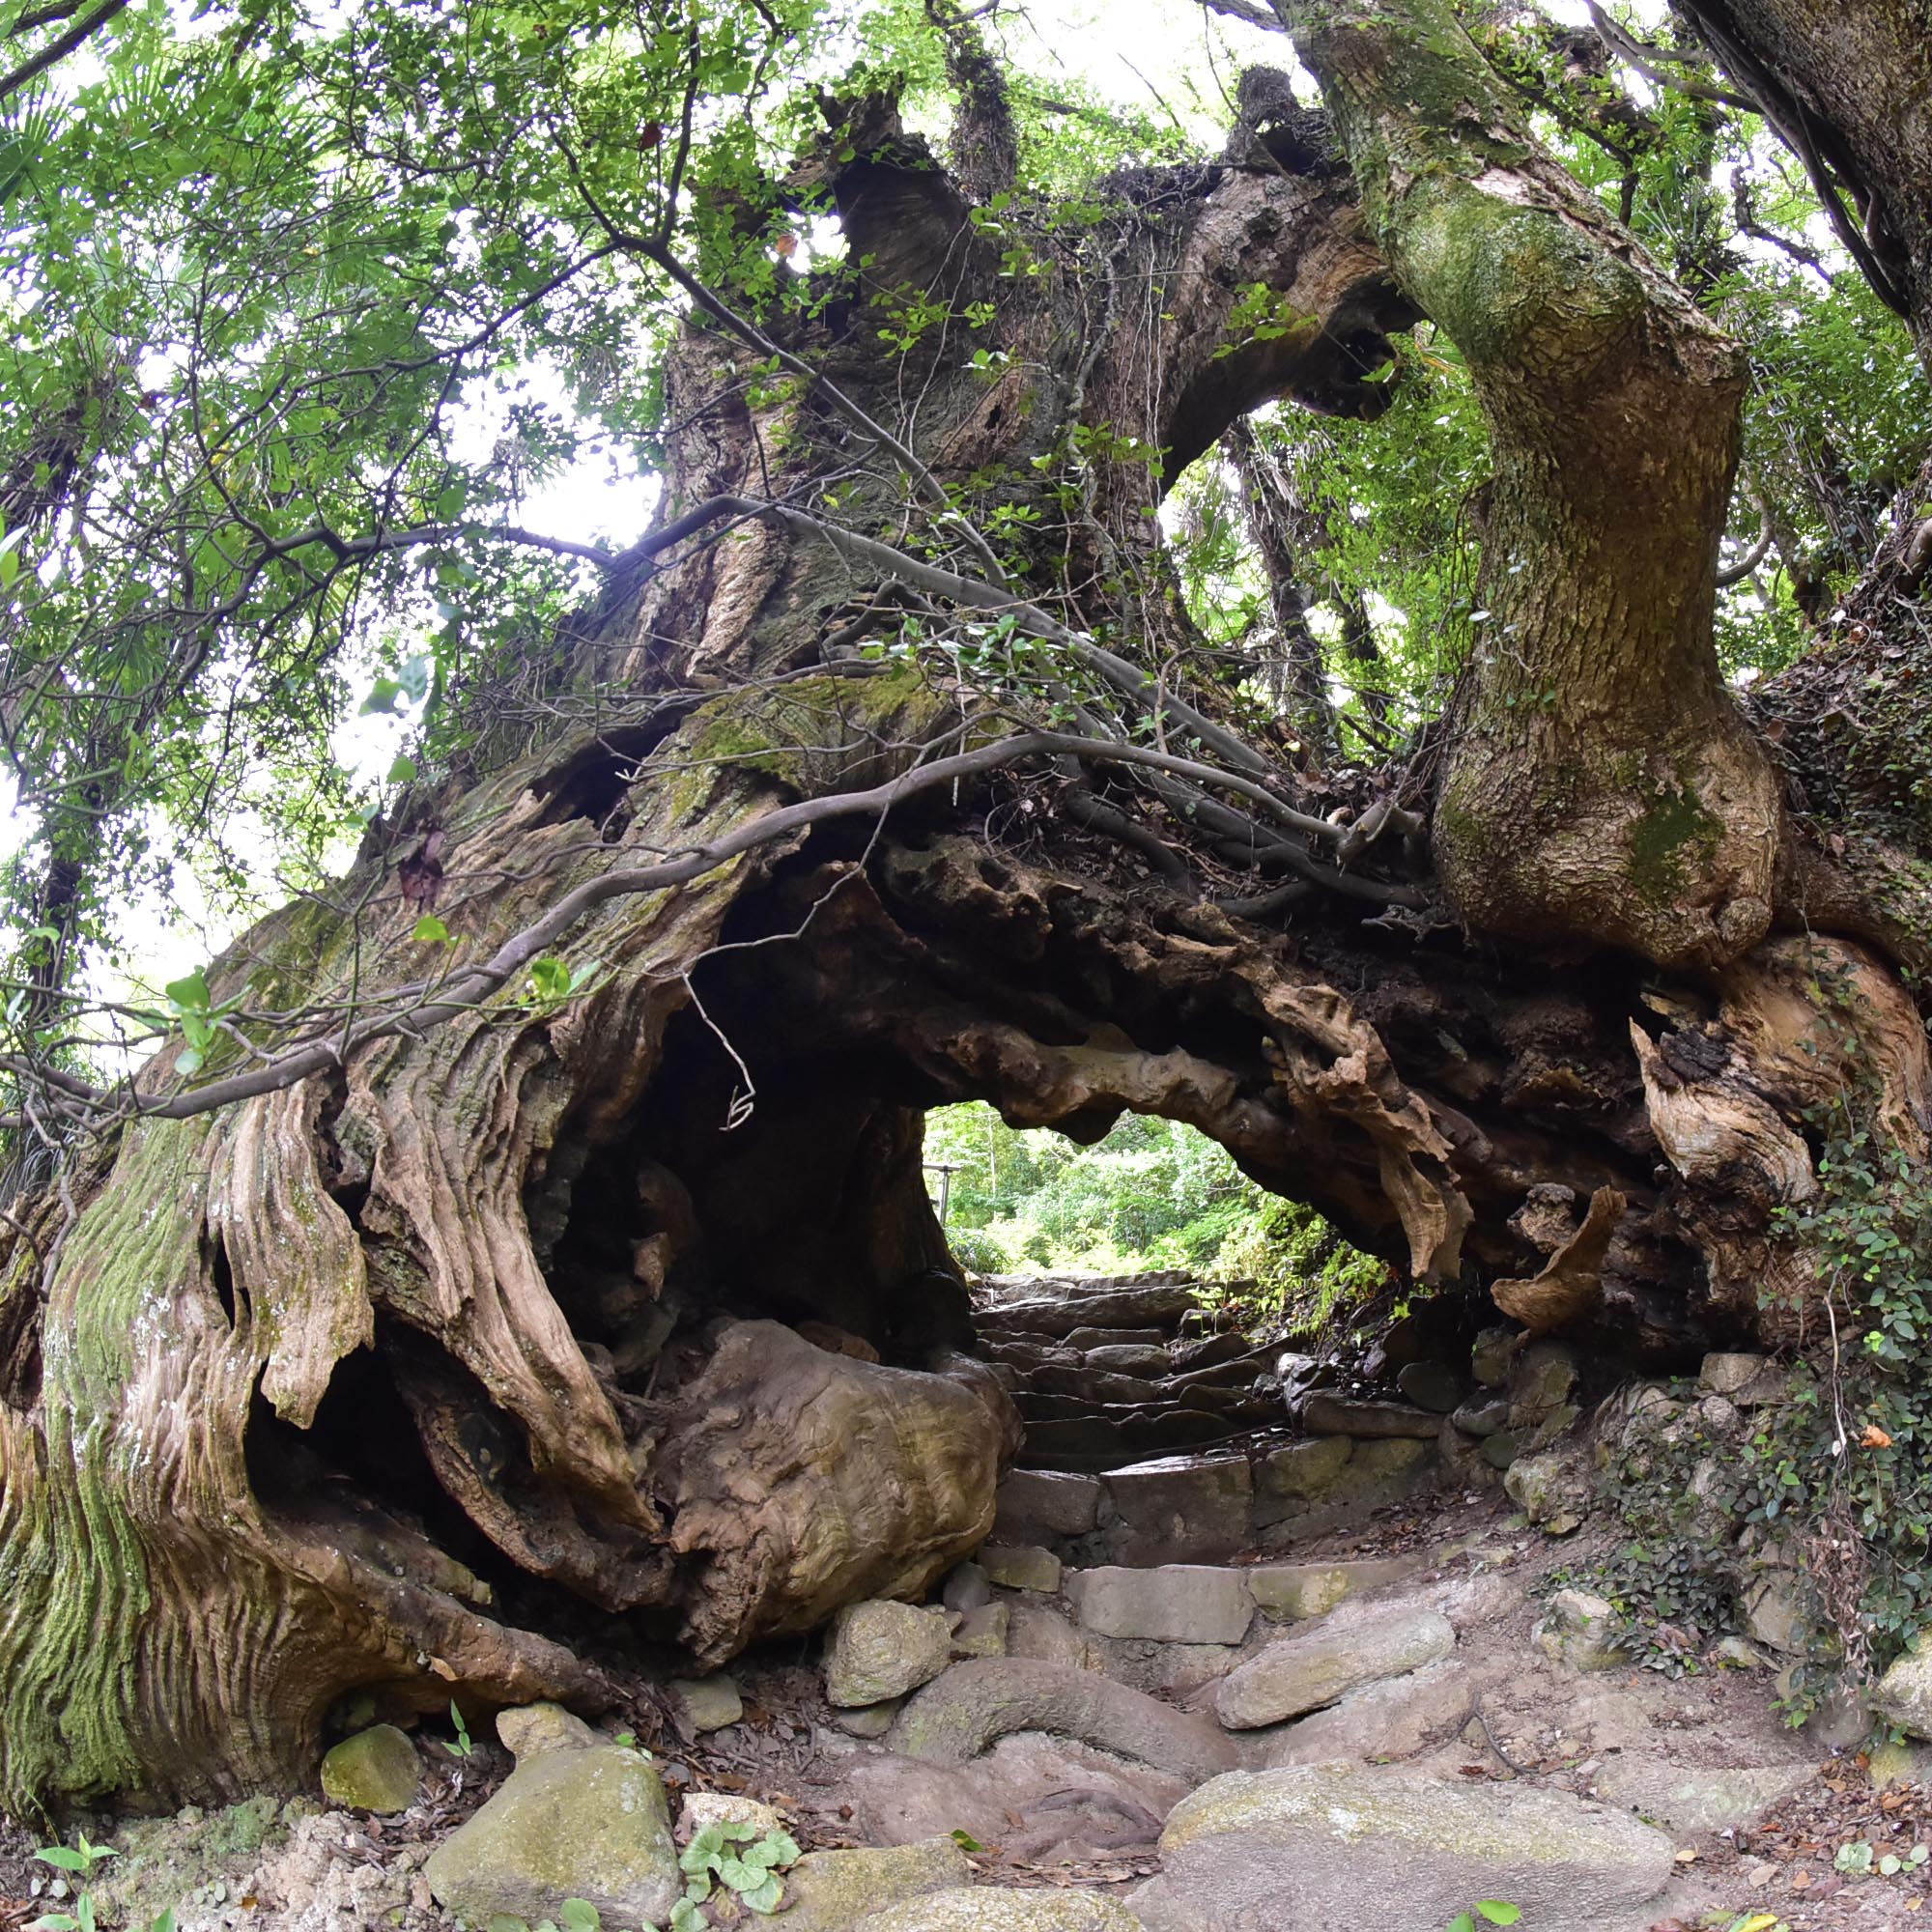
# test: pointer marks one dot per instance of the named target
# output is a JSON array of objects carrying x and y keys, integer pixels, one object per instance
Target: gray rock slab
[
  {"x": 1182, "y": 1508},
  {"x": 1129, "y": 1359},
  {"x": 973, "y": 1705},
  {"x": 1326, "y": 1414},
  {"x": 1340, "y": 1848},
  {"x": 878, "y": 1650},
  {"x": 571, "y": 1824},
  {"x": 1297, "y": 1674},
  {"x": 1117, "y": 1338},
  {"x": 1395, "y": 1719},
  {"x": 1300, "y": 1590},
  {"x": 1036, "y": 1504},
  {"x": 1301, "y": 1472},
  {"x": 1177, "y": 1603},
  {"x": 1149, "y": 1305},
  {"x": 1693, "y": 1798}
]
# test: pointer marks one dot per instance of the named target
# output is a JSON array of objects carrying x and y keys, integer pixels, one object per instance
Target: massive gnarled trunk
[{"x": 525, "y": 1318}]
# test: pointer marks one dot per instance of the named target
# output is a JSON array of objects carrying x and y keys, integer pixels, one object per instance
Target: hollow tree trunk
[{"x": 523, "y": 1322}]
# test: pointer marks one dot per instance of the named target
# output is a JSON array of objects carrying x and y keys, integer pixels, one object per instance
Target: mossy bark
[
  {"x": 1599, "y": 783},
  {"x": 414, "y": 1379}
]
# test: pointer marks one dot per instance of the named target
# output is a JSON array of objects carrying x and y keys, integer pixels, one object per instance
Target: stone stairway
[
  {"x": 1097, "y": 1365},
  {"x": 1157, "y": 1433}
]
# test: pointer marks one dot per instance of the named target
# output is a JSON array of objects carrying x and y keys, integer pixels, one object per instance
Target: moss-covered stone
[
  {"x": 880, "y": 1650},
  {"x": 826, "y": 1891},
  {"x": 1903, "y": 1695},
  {"x": 1302, "y": 1471},
  {"x": 576, "y": 1824},
  {"x": 1332, "y": 1845},
  {"x": 165, "y": 1861},
  {"x": 376, "y": 1770},
  {"x": 1581, "y": 1630}
]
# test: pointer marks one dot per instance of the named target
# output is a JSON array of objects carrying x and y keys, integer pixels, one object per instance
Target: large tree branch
[
  {"x": 1599, "y": 783},
  {"x": 60, "y": 46},
  {"x": 414, "y": 1011}
]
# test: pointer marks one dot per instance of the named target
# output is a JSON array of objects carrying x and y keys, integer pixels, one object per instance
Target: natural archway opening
[{"x": 1152, "y": 1195}]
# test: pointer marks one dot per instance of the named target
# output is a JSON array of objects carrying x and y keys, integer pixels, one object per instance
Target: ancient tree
[{"x": 521, "y": 1252}]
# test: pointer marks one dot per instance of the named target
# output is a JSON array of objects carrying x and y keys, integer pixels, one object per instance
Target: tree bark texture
[
  {"x": 501, "y": 1343},
  {"x": 1598, "y": 781},
  {"x": 1847, "y": 84}
]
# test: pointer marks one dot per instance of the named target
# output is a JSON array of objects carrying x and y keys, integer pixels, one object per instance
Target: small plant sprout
[
  {"x": 1488, "y": 1910},
  {"x": 78, "y": 1860},
  {"x": 464, "y": 1744},
  {"x": 576, "y": 1915}
]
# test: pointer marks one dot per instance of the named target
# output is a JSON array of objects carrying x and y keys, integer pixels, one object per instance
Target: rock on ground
[
  {"x": 878, "y": 1650},
  {"x": 1339, "y": 1848},
  {"x": 982, "y": 1632},
  {"x": 376, "y": 1770},
  {"x": 700, "y": 1704},
  {"x": 573, "y": 1824},
  {"x": 1035, "y": 1630},
  {"x": 1180, "y": 1602},
  {"x": 528, "y": 1730},
  {"x": 1693, "y": 1798},
  {"x": 1392, "y": 1720},
  {"x": 1903, "y": 1695},
  {"x": 1581, "y": 1630},
  {"x": 826, "y": 1891},
  {"x": 1076, "y": 1803},
  {"x": 723, "y": 1808},
  {"x": 975, "y": 1704},
  {"x": 983, "y": 1909},
  {"x": 1021, "y": 1567},
  {"x": 1297, "y": 1674}
]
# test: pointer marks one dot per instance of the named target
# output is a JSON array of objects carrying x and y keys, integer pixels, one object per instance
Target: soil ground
[{"x": 302, "y": 1867}]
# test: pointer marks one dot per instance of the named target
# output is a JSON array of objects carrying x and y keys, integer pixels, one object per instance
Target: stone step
[
  {"x": 1117, "y": 1338},
  {"x": 1158, "y": 1304},
  {"x": 1093, "y": 1386},
  {"x": 1211, "y": 1349},
  {"x": 1105, "y": 1438}
]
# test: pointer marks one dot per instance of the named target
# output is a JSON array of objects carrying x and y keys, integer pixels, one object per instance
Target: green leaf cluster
[{"x": 746, "y": 1862}]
